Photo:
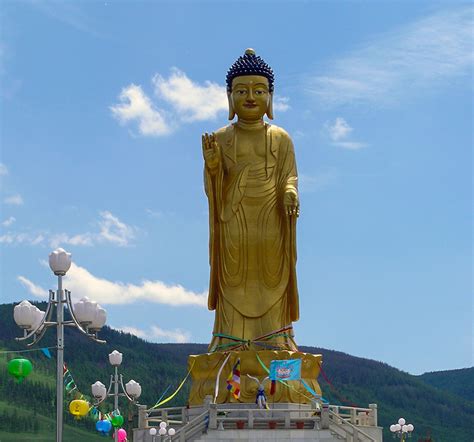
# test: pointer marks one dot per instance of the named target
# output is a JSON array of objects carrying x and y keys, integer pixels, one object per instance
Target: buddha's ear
[
  {"x": 231, "y": 106},
  {"x": 270, "y": 106}
]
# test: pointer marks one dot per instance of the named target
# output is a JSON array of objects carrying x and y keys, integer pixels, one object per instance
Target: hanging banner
[
  {"x": 46, "y": 352},
  {"x": 285, "y": 370}
]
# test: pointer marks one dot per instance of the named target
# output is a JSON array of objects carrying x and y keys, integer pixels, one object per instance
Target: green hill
[
  {"x": 353, "y": 381},
  {"x": 459, "y": 382}
]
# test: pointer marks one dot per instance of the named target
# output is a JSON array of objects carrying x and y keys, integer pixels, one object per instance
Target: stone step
[{"x": 267, "y": 435}]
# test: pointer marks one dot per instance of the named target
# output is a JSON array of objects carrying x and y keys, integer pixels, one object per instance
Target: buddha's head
[{"x": 250, "y": 88}]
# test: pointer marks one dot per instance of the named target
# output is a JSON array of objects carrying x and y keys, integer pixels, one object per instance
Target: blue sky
[{"x": 102, "y": 109}]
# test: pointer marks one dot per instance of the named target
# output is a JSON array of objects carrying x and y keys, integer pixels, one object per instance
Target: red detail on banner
[{"x": 273, "y": 388}]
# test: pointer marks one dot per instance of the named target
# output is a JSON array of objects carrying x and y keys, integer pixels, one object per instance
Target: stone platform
[
  {"x": 284, "y": 422},
  {"x": 270, "y": 435}
]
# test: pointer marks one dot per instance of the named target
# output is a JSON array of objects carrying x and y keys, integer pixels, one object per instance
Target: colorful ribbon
[
  {"x": 260, "y": 340},
  {"x": 216, "y": 389},
  {"x": 177, "y": 390}
]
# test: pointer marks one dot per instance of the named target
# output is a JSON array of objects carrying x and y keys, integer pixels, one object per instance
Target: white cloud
[
  {"x": 339, "y": 131},
  {"x": 9, "y": 221},
  {"x": 83, "y": 283},
  {"x": 351, "y": 145},
  {"x": 179, "y": 100},
  {"x": 280, "y": 103},
  {"x": 138, "y": 332},
  {"x": 114, "y": 231},
  {"x": 423, "y": 55},
  {"x": 313, "y": 183},
  {"x": 176, "y": 335},
  {"x": 110, "y": 230},
  {"x": 154, "y": 213},
  {"x": 21, "y": 238},
  {"x": 14, "y": 200},
  {"x": 69, "y": 13},
  {"x": 34, "y": 289},
  {"x": 62, "y": 239},
  {"x": 190, "y": 100},
  {"x": 157, "y": 334},
  {"x": 3, "y": 169},
  {"x": 136, "y": 106},
  {"x": 38, "y": 239}
]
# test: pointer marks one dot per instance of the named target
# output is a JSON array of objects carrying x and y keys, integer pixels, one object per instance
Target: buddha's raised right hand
[{"x": 211, "y": 151}]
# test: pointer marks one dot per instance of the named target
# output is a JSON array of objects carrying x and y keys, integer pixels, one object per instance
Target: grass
[
  {"x": 36, "y": 375},
  {"x": 47, "y": 430}
]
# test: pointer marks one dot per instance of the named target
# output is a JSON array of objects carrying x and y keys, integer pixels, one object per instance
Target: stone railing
[
  {"x": 353, "y": 423},
  {"x": 356, "y": 415}
]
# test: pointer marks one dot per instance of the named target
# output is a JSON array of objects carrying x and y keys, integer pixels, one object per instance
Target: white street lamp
[
  {"x": 60, "y": 261},
  {"x": 402, "y": 430},
  {"x": 35, "y": 322},
  {"x": 90, "y": 314},
  {"x": 99, "y": 391},
  {"x": 131, "y": 391},
  {"x": 162, "y": 431},
  {"x": 25, "y": 315},
  {"x": 115, "y": 358}
]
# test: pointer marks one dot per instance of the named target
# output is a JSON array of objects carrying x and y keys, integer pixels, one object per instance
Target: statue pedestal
[{"x": 205, "y": 370}]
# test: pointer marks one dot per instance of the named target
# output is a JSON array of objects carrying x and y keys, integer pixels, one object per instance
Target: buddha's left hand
[{"x": 291, "y": 203}]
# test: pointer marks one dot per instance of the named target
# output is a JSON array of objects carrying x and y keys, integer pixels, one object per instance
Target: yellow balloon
[{"x": 79, "y": 408}]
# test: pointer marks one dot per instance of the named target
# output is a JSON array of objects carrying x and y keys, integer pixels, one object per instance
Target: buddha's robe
[{"x": 252, "y": 240}]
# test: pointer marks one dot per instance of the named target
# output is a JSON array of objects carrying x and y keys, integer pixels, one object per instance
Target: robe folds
[{"x": 252, "y": 242}]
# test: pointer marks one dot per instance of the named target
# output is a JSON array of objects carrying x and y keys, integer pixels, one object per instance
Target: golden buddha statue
[{"x": 251, "y": 184}]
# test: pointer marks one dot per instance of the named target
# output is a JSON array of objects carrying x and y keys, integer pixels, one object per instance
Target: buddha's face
[{"x": 250, "y": 96}]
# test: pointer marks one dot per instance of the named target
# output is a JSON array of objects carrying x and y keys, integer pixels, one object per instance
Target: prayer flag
[
  {"x": 233, "y": 381},
  {"x": 46, "y": 352}
]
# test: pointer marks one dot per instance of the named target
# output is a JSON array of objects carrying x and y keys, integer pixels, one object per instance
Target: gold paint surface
[
  {"x": 206, "y": 368},
  {"x": 251, "y": 184}
]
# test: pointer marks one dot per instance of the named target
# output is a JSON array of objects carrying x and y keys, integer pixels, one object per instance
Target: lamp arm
[
  {"x": 71, "y": 312},
  {"x": 37, "y": 338},
  {"x": 99, "y": 341},
  {"x": 42, "y": 323},
  {"x": 76, "y": 322},
  {"x": 96, "y": 404},
  {"x": 110, "y": 385},
  {"x": 124, "y": 390}
]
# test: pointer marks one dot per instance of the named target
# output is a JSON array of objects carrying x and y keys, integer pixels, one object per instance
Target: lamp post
[
  {"x": 88, "y": 317},
  {"x": 132, "y": 389},
  {"x": 402, "y": 430},
  {"x": 162, "y": 431}
]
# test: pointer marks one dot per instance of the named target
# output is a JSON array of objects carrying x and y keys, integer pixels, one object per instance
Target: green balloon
[
  {"x": 20, "y": 368},
  {"x": 117, "y": 421}
]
